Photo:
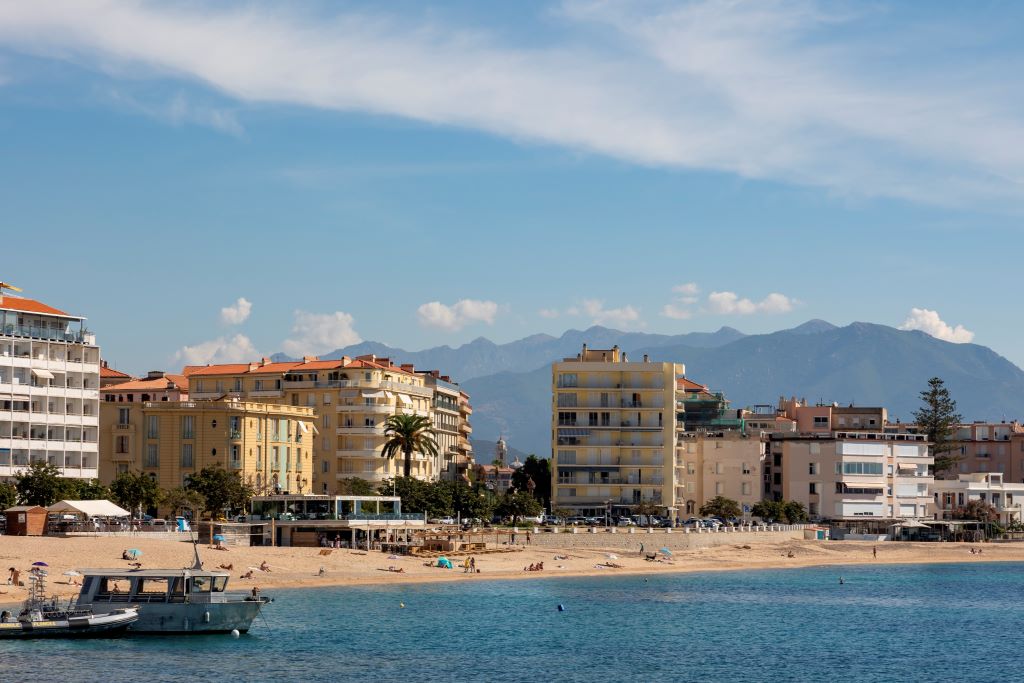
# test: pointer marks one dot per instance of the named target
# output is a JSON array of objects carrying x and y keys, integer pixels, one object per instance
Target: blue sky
[{"x": 424, "y": 175}]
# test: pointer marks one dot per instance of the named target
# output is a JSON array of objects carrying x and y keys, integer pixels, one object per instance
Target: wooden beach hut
[{"x": 26, "y": 520}]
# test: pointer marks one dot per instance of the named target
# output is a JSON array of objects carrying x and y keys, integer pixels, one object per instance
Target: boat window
[
  {"x": 178, "y": 586},
  {"x": 152, "y": 589},
  {"x": 114, "y": 586},
  {"x": 87, "y": 586},
  {"x": 201, "y": 584},
  {"x": 219, "y": 584}
]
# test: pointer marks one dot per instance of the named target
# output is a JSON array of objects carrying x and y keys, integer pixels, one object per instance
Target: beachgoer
[
  {"x": 874, "y": 552},
  {"x": 465, "y": 566},
  {"x": 247, "y": 575},
  {"x": 264, "y": 567},
  {"x": 472, "y": 565},
  {"x": 125, "y": 555},
  {"x": 322, "y": 572},
  {"x": 10, "y": 578},
  {"x": 228, "y": 567},
  {"x": 255, "y": 592},
  {"x": 527, "y": 538},
  {"x": 841, "y": 582},
  {"x": 641, "y": 548},
  {"x": 513, "y": 538}
]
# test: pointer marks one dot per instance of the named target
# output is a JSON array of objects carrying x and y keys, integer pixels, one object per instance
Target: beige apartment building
[
  {"x": 849, "y": 464},
  {"x": 725, "y": 463},
  {"x": 984, "y": 447},
  {"x": 351, "y": 399},
  {"x": 269, "y": 445},
  {"x": 613, "y": 432}
]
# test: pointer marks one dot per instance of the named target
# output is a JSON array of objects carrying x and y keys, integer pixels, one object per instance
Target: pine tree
[{"x": 938, "y": 419}]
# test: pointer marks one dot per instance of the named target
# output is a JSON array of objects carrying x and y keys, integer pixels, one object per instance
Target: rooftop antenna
[{"x": 7, "y": 285}]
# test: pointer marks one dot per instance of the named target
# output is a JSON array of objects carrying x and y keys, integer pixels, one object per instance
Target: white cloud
[
  {"x": 626, "y": 316},
  {"x": 237, "y": 313},
  {"x": 687, "y": 289},
  {"x": 728, "y": 303},
  {"x": 784, "y": 90},
  {"x": 234, "y": 349},
  {"x": 676, "y": 312},
  {"x": 316, "y": 333},
  {"x": 179, "y": 110},
  {"x": 928, "y": 321},
  {"x": 458, "y": 315},
  {"x": 548, "y": 313}
]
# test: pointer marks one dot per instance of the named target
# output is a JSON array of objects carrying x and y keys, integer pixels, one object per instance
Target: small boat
[
  {"x": 172, "y": 601},
  {"x": 44, "y": 617}
]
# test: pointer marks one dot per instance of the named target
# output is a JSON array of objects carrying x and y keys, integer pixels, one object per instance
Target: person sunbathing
[
  {"x": 228, "y": 567},
  {"x": 264, "y": 567},
  {"x": 247, "y": 575}
]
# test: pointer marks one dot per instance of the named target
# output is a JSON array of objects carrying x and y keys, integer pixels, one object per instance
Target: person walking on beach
[
  {"x": 641, "y": 548},
  {"x": 472, "y": 565},
  {"x": 513, "y": 538},
  {"x": 874, "y": 552},
  {"x": 527, "y": 537}
]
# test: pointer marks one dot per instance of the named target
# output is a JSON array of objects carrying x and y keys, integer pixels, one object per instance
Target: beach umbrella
[
  {"x": 40, "y": 564},
  {"x": 612, "y": 556},
  {"x": 135, "y": 551},
  {"x": 218, "y": 537},
  {"x": 665, "y": 551}
]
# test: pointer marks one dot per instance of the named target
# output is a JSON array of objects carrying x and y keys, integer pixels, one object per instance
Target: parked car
[
  {"x": 577, "y": 520},
  {"x": 625, "y": 521}
]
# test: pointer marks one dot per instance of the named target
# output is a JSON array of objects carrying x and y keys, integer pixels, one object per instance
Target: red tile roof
[
  {"x": 156, "y": 384},
  {"x": 17, "y": 303},
  {"x": 690, "y": 385},
  {"x": 111, "y": 373},
  {"x": 225, "y": 369}
]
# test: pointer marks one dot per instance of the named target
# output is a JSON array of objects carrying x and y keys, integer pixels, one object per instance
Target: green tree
[
  {"x": 92, "y": 489},
  {"x": 134, "y": 490},
  {"x": 8, "y": 495},
  {"x": 538, "y": 471},
  {"x": 648, "y": 508},
  {"x": 563, "y": 514},
  {"x": 354, "y": 486},
  {"x": 768, "y": 510},
  {"x": 517, "y": 505},
  {"x": 221, "y": 490},
  {"x": 408, "y": 434},
  {"x": 938, "y": 419},
  {"x": 720, "y": 506},
  {"x": 39, "y": 484},
  {"x": 180, "y": 499},
  {"x": 794, "y": 512},
  {"x": 468, "y": 502},
  {"x": 980, "y": 510}
]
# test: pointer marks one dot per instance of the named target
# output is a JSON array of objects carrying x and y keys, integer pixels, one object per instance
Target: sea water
[{"x": 952, "y": 622}]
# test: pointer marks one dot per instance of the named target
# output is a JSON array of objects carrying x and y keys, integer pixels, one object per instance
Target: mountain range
[{"x": 862, "y": 363}]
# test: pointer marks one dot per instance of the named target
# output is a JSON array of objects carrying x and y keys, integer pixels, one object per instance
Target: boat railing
[{"x": 112, "y": 597}]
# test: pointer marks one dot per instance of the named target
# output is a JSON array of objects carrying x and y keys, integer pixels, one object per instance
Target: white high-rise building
[{"x": 49, "y": 390}]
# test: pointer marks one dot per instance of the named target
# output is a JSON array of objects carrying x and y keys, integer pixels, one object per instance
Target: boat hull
[
  {"x": 194, "y": 618},
  {"x": 96, "y": 626}
]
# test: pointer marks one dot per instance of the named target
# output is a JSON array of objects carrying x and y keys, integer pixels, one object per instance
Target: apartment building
[
  {"x": 849, "y": 463},
  {"x": 613, "y": 425},
  {"x": 351, "y": 399},
  {"x": 269, "y": 445},
  {"x": 49, "y": 390},
  {"x": 452, "y": 462},
  {"x": 724, "y": 463},
  {"x": 991, "y": 487},
  {"x": 989, "y": 447}
]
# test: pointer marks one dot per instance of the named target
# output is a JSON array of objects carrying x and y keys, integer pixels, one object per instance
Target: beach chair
[{"x": 325, "y": 551}]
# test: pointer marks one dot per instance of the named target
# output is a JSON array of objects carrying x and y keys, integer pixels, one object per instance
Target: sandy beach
[{"x": 300, "y": 567}]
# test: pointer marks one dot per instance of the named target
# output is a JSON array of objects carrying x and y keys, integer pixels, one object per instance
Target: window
[
  {"x": 276, "y": 458},
  {"x": 287, "y": 457},
  {"x": 152, "y": 455},
  {"x": 745, "y": 468},
  {"x": 187, "y": 426},
  {"x": 812, "y": 468},
  {"x": 812, "y": 488},
  {"x": 122, "y": 416},
  {"x": 327, "y": 399},
  {"x": 236, "y": 455},
  {"x": 369, "y": 466},
  {"x": 606, "y": 419},
  {"x": 370, "y": 422},
  {"x": 325, "y": 420},
  {"x": 858, "y": 468},
  {"x": 719, "y": 468},
  {"x": 186, "y": 455},
  {"x": 691, "y": 468},
  {"x": 568, "y": 380},
  {"x": 820, "y": 421},
  {"x": 121, "y": 444},
  {"x": 719, "y": 488},
  {"x": 566, "y": 457},
  {"x": 566, "y": 477},
  {"x": 566, "y": 418},
  {"x": 152, "y": 427},
  {"x": 235, "y": 426},
  {"x": 567, "y": 400},
  {"x": 298, "y": 459},
  {"x": 745, "y": 488},
  {"x": 592, "y": 419},
  {"x": 259, "y": 457},
  {"x": 325, "y": 466}
]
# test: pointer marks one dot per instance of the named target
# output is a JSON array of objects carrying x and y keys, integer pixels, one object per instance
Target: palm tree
[{"x": 407, "y": 434}]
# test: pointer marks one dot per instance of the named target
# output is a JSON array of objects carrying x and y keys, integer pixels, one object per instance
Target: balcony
[{"x": 123, "y": 426}]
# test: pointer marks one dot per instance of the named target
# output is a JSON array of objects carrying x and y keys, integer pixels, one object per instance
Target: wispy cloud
[
  {"x": 624, "y": 316},
  {"x": 458, "y": 315},
  {"x": 237, "y": 313},
  {"x": 179, "y": 110},
  {"x": 928, "y": 321},
  {"x": 315, "y": 333},
  {"x": 235, "y": 349},
  {"x": 781, "y": 90},
  {"x": 729, "y": 303},
  {"x": 549, "y": 313}
]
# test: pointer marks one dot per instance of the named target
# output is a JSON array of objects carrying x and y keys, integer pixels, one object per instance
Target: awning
[
  {"x": 303, "y": 427},
  {"x": 45, "y": 374},
  {"x": 562, "y": 431},
  {"x": 408, "y": 411},
  {"x": 388, "y": 394},
  {"x": 405, "y": 399},
  {"x": 370, "y": 393},
  {"x": 912, "y": 524}
]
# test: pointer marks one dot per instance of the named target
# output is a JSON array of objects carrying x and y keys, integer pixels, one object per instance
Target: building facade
[
  {"x": 724, "y": 463},
  {"x": 269, "y": 445},
  {"x": 49, "y": 390},
  {"x": 992, "y": 488},
  {"x": 351, "y": 399},
  {"x": 983, "y": 447},
  {"x": 613, "y": 427}
]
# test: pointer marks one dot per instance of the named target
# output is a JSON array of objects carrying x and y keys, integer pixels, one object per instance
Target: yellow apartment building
[
  {"x": 613, "y": 432},
  {"x": 270, "y": 445},
  {"x": 351, "y": 399}
]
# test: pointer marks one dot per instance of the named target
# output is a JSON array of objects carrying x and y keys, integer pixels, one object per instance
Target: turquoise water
[{"x": 887, "y": 623}]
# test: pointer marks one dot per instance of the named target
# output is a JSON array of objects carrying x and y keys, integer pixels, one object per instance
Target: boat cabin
[{"x": 152, "y": 586}]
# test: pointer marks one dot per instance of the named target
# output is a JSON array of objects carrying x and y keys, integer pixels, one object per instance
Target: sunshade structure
[
  {"x": 90, "y": 508},
  {"x": 912, "y": 524}
]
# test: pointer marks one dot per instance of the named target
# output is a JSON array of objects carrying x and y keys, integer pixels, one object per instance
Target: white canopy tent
[{"x": 90, "y": 508}]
